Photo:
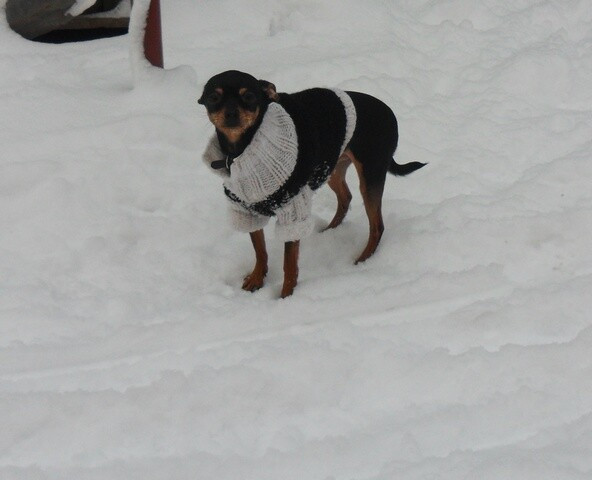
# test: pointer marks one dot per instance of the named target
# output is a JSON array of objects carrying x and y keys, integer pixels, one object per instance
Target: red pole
[{"x": 153, "y": 35}]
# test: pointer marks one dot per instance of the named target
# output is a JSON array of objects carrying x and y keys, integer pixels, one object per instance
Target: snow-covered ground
[{"x": 461, "y": 350}]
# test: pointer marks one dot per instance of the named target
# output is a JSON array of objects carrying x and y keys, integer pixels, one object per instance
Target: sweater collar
[{"x": 272, "y": 130}]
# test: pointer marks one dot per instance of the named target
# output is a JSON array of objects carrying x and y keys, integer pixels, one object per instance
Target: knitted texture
[
  {"x": 268, "y": 160},
  {"x": 350, "y": 116},
  {"x": 244, "y": 220},
  {"x": 264, "y": 167},
  {"x": 294, "y": 219},
  {"x": 214, "y": 153}
]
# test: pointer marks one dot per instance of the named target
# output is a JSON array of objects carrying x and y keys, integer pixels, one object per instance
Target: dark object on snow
[
  {"x": 275, "y": 149},
  {"x": 35, "y": 18}
]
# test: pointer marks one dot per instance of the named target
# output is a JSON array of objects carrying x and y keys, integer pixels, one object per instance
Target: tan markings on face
[
  {"x": 217, "y": 118},
  {"x": 242, "y": 91},
  {"x": 246, "y": 117}
]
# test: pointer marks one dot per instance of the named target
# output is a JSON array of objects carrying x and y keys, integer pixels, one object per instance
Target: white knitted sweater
[{"x": 264, "y": 167}]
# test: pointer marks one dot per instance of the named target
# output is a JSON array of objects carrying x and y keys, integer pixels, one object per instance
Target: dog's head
[{"x": 236, "y": 103}]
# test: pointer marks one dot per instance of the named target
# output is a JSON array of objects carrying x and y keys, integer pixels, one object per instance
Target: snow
[
  {"x": 140, "y": 65},
  {"x": 461, "y": 350},
  {"x": 79, "y": 7},
  {"x": 121, "y": 10}
]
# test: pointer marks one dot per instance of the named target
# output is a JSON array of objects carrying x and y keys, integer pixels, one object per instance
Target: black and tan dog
[{"x": 237, "y": 104}]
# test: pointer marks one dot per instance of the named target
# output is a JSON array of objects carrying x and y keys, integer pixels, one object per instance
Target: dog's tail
[{"x": 405, "y": 169}]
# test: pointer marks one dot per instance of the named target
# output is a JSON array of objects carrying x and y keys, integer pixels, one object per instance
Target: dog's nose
[
  {"x": 231, "y": 114},
  {"x": 231, "y": 117}
]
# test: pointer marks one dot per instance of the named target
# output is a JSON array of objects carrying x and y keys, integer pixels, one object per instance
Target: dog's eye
[
  {"x": 249, "y": 98},
  {"x": 214, "y": 98}
]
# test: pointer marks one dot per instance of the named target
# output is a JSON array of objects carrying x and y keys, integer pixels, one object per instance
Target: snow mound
[{"x": 461, "y": 350}]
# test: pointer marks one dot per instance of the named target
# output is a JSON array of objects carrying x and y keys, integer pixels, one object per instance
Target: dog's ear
[{"x": 269, "y": 90}]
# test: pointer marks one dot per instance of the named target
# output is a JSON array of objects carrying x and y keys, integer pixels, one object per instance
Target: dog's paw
[
  {"x": 288, "y": 288},
  {"x": 253, "y": 281}
]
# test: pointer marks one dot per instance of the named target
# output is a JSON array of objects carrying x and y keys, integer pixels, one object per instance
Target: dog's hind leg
[
  {"x": 339, "y": 186},
  {"x": 371, "y": 188},
  {"x": 254, "y": 281}
]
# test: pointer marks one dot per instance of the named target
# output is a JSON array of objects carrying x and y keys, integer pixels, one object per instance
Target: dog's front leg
[
  {"x": 290, "y": 267},
  {"x": 254, "y": 281}
]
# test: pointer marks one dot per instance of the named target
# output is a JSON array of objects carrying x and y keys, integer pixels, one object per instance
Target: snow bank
[
  {"x": 460, "y": 350},
  {"x": 141, "y": 67}
]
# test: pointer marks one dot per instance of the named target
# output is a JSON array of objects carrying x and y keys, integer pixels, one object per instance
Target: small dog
[{"x": 274, "y": 149}]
